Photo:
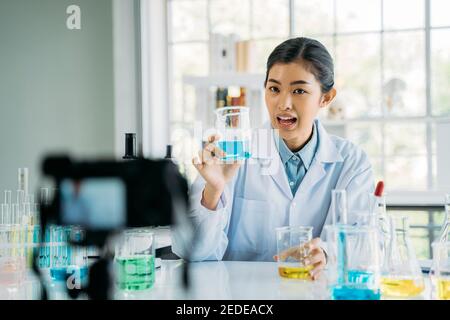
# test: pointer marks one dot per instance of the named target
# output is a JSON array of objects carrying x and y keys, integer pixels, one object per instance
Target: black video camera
[
  {"x": 108, "y": 196},
  {"x": 105, "y": 197}
]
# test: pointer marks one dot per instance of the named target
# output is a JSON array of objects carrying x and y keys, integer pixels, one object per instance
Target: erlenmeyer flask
[
  {"x": 441, "y": 276},
  {"x": 443, "y": 235},
  {"x": 379, "y": 219},
  {"x": 401, "y": 273}
]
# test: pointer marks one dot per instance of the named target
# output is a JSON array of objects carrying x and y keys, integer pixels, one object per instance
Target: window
[
  {"x": 392, "y": 65},
  {"x": 424, "y": 228}
]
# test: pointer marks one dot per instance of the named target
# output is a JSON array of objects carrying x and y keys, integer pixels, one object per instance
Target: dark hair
[{"x": 311, "y": 53}]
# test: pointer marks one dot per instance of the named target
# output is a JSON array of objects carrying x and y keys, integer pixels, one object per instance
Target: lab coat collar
[
  {"x": 306, "y": 154},
  {"x": 327, "y": 151},
  {"x": 264, "y": 145},
  {"x": 265, "y": 151}
]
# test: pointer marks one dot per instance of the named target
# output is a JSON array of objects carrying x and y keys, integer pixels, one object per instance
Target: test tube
[
  {"x": 5, "y": 213},
  {"x": 447, "y": 205},
  {"x": 44, "y": 196},
  {"x": 26, "y": 217},
  {"x": 338, "y": 206},
  {"x": 23, "y": 180},
  {"x": 12, "y": 213},
  {"x": 20, "y": 197},
  {"x": 8, "y": 197},
  {"x": 29, "y": 198},
  {"x": 35, "y": 213},
  {"x": 17, "y": 213}
]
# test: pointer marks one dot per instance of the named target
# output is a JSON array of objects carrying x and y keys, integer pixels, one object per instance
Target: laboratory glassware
[
  {"x": 338, "y": 206},
  {"x": 233, "y": 126},
  {"x": 443, "y": 235},
  {"x": 12, "y": 255},
  {"x": 292, "y": 252},
  {"x": 356, "y": 274},
  {"x": 401, "y": 272},
  {"x": 441, "y": 275},
  {"x": 66, "y": 259},
  {"x": 377, "y": 217},
  {"x": 58, "y": 252},
  {"x": 135, "y": 259}
]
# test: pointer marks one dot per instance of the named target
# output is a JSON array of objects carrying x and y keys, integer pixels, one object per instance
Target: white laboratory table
[
  {"x": 220, "y": 280},
  {"x": 163, "y": 237}
]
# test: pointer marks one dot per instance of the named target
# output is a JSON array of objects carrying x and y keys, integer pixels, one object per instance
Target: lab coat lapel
[
  {"x": 313, "y": 176},
  {"x": 280, "y": 177},
  {"x": 265, "y": 152},
  {"x": 326, "y": 153}
]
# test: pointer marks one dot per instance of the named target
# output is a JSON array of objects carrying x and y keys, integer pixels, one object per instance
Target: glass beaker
[
  {"x": 67, "y": 259},
  {"x": 233, "y": 126},
  {"x": 291, "y": 251},
  {"x": 135, "y": 260},
  {"x": 441, "y": 275},
  {"x": 356, "y": 274},
  {"x": 12, "y": 259},
  {"x": 401, "y": 272},
  {"x": 78, "y": 259},
  {"x": 58, "y": 253}
]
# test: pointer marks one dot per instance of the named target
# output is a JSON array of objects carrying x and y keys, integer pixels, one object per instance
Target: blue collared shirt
[{"x": 297, "y": 164}]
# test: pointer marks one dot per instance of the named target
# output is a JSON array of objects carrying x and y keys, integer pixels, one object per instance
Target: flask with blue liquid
[{"x": 353, "y": 255}]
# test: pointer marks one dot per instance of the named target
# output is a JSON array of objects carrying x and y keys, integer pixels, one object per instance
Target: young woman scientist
[{"x": 236, "y": 207}]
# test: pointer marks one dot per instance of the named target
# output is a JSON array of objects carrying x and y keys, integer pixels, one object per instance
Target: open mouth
[{"x": 286, "y": 122}]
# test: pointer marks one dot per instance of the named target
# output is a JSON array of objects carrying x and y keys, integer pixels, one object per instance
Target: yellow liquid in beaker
[
  {"x": 443, "y": 289},
  {"x": 401, "y": 287},
  {"x": 295, "y": 272}
]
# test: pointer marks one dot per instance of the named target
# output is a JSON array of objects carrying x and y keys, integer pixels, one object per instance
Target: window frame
[{"x": 429, "y": 196}]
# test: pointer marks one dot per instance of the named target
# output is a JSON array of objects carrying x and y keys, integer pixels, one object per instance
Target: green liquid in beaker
[{"x": 135, "y": 273}]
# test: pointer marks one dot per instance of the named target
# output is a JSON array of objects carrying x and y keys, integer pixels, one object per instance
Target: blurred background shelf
[{"x": 206, "y": 87}]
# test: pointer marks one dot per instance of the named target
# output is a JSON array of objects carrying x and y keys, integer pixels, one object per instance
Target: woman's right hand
[{"x": 215, "y": 172}]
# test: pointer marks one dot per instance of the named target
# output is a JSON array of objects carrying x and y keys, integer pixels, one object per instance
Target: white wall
[
  {"x": 57, "y": 85},
  {"x": 155, "y": 95},
  {"x": 127, "y": 93},
  {"x": 443, "y": 155}
]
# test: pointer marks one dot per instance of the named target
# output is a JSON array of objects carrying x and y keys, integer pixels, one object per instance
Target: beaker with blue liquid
[
  {"x": 355, "y": 271},
  {"x": 233, "y": 126},
  {"x": 66, "y": 259}
]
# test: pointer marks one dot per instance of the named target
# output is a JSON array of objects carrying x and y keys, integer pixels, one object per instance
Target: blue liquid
[
  {"x": 62, "y": 273},
  {"x": 235, "y": 149},
  {"x": 354, "y": 293},
  {"x": 342, "y": 257},
  {"x": 357, "y": 276}
]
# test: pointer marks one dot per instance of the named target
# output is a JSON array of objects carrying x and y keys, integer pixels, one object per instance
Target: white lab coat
[{"x": 259, "y": 199}]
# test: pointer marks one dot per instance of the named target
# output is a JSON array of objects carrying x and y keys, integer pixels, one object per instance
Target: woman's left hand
[{"x": 316, "y": 257}]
